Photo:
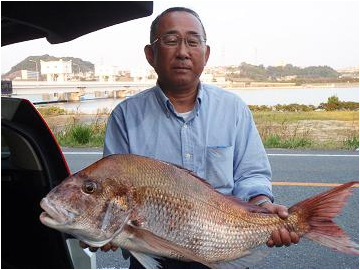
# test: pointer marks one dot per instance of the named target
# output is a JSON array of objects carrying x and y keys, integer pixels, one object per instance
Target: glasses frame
[{"x": 202, "y": 40}]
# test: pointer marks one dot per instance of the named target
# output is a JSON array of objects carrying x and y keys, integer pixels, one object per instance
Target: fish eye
[{"x": 89, "y": 187}]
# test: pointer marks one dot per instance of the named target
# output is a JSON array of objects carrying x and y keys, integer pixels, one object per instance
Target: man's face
[{"x": 179, "y": 66}]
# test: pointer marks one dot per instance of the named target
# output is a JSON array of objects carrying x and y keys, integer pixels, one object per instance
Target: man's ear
[
  {"x": 149, "y": 53},
  {"x": 207, "y": 54}
]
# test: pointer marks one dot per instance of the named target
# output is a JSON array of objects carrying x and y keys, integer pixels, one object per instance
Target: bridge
[{"x": 72, "y": 91}]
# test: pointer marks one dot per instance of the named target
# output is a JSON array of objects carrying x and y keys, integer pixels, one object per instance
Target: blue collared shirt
[{"x": 218, "y": 141}]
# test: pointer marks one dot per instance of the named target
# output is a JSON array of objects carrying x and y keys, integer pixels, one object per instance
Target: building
[
  {"x": 106, "y": 72},
  {"x": 23, "y": 75},
  {"x": 56, "y": 70}
]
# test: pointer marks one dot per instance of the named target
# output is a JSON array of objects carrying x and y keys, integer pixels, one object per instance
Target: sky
[{"x": 268, "y": 32}]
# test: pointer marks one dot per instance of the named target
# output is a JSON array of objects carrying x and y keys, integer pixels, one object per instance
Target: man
[{"x": 200, "y": 127}]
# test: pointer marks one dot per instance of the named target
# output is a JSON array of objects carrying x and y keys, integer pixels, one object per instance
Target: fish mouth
[{"x": 55, "y": 217}]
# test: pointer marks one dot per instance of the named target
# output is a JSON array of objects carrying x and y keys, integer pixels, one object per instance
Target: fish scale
[{"x": 155, "y": 208}]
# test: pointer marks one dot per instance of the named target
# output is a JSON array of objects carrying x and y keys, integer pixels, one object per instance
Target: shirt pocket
[{"x": 219, "y": 166}]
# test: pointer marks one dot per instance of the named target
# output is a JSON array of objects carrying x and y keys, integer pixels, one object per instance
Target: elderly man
[{"x": 200, "y": 127}]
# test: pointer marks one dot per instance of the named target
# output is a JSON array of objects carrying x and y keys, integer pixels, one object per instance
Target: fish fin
[
  {"x": 158, "y": 243},
  {"x": 147, "y": 260},
  {"x": 247, "y": 259},
  {"x": 318, "y": 212},
  {"x": 115, "y": 218}
]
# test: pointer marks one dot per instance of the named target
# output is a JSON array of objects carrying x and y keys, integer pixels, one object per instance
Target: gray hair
[{"x": 155, "y": 23}]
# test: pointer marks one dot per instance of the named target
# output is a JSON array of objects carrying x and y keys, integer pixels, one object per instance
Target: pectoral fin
[
  {"x": 115, "y": 218},
  {"x": 148, "y": 261}
]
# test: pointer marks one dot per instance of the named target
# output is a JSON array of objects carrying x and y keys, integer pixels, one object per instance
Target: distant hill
[{"x": 85, "y": 66}]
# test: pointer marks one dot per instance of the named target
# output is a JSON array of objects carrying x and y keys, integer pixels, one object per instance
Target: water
[{"x": 307, "y": 96}]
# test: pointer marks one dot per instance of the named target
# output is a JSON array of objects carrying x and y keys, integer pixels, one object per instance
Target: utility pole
[{"x": 36, "y": 67}]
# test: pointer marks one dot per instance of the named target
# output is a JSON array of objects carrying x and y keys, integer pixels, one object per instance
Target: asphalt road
[{"x": 290, "y": 166}]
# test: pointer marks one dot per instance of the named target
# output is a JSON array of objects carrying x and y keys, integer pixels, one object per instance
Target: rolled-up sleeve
[
  {"x": 116, "y": 138},
  {"x": 252, "y": 171}
]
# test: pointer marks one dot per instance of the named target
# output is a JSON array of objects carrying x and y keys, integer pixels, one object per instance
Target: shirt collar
[{"x": 168, "y": 107}]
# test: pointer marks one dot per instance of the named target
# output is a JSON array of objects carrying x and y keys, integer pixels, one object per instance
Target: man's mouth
[{"x": 181, "y": 69}]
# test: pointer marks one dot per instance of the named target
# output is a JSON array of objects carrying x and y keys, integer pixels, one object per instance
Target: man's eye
[
  {"x": 193, "y": 42},
  {"x": 170, "y": 41}
]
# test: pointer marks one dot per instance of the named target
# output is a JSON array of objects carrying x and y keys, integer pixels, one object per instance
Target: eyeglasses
[{"x": 174, "y": 40}]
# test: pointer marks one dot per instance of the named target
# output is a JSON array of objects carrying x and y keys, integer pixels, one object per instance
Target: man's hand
[
  {"x": 104, "y": 248},
  {"x": 280, "y": 236}
]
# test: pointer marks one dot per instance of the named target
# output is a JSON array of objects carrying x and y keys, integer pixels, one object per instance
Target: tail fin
[{"x": 318, "y": 212}]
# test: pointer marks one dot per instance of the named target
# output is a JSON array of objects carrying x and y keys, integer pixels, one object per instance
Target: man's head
[{"x": 178, "y": 50}]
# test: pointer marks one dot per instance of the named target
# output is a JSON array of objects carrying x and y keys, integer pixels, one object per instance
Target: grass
[
  {"x": 313, "y": 115},
  {"x": 351, "y": 143},
  {"x": 82, "y": 135},
  {"x": 276, "y": 129},
  {"x": 51, "y": 111}
]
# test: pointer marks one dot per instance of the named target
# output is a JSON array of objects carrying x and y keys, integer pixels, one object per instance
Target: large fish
[{"x": 156, "y": 209}]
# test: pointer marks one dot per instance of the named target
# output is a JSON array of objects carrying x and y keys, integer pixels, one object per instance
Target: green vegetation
[
  {"x": 288, "y": 73},
  {"x": 275, "y": 141},
  {"x": 351, "y": 142},
  {"x": 279, "y": 117},
  {"x": 51, "y": 111},
  {"x": 334, "y": 126},
  {"x": 333, "y": 104},
  {"x": 82, "y": 135}
]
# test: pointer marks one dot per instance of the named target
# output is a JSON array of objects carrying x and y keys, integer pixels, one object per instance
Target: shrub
[
  {"x": 81, "y": 134},
  {"x": 351, "y": 142},
  {"x": 51, "y": 111}
]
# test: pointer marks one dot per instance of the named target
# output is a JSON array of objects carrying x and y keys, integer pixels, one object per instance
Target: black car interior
[{"x": 27, "y": 175}]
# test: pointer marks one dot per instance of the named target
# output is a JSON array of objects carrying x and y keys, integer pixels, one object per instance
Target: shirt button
[
  {"x": 185, "y": 126},
  {"x": 187, "y": 156}
]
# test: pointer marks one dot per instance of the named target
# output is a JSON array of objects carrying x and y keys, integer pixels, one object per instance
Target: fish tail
[{"x": 316, "y": 214}]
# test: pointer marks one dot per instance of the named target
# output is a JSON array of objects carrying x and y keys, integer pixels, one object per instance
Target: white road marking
[
  {"x": 312, "y": 155},
  {"x": 82, "y": 153},
  {"x": 280, "y": 155}
]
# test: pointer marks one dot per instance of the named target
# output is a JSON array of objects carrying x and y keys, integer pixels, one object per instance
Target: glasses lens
[
  {"x": 170, "y": 40},
  {"x": 193, "y": 40},
  {"x": 173, "y": 40}
]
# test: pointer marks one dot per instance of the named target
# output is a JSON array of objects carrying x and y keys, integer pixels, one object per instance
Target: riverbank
[
  {"x": 280, "y": 85},
  {"x": 308, "y": 130}
]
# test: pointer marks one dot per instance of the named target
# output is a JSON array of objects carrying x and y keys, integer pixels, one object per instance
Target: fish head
[{"x": 91, "y": 205}]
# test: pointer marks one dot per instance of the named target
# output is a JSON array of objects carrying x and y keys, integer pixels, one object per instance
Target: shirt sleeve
[
  {"x": 116, "y": 138},
  {"x": 252, "y": 171}
]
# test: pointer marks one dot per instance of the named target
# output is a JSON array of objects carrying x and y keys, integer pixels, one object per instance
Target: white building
[
  {"x": 106, "y": 72},
  {"x": 140, "y": 74},
  {"x": 56, "y": 70}
]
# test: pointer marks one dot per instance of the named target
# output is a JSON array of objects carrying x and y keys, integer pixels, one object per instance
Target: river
[{"x": 264, "y": 96}]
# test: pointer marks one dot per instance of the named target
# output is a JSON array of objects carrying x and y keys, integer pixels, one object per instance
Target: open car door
[{"x": 31, "y": 160}]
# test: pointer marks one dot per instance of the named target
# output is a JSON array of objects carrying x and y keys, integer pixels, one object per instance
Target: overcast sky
[{"x": 268, "y": 32}]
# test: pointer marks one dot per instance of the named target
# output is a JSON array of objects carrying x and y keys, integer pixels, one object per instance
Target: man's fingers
[
  {"x": 294, "y": 237},
  {"x": 83, "y": 245},
  {"x": 270, "y": 243},
  {"x": 285, "y": 237},
  {"x": 276, "y": 238},
  {"x": 114, "y": 248},
  {"x": 93, "y": 249},
  {"x": 106, "y": 247},
  {"x": 282, "y": 211}
]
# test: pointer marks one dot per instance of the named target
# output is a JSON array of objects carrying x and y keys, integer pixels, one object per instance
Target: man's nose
[{"x": 183, "y": 50}]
